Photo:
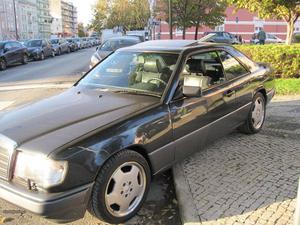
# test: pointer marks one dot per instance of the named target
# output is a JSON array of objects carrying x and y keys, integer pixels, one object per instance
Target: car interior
[{"x": 206, "y": 66}]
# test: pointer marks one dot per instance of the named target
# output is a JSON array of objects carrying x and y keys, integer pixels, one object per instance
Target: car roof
[
  {"x": 123, "y": 38},
  {"x": 168, "y": 45}
]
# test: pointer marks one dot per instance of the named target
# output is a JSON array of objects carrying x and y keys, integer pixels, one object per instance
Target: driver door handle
[{"x": 229, "y": 93}]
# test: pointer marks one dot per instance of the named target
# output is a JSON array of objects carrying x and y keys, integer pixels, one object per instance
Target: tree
[
  {"x": 101, "y": 12},
  {"x": 287, "y": 10},
  {"x": 181, "y": 11},
  {"x": 208, "y": 13},
  {"x": 129, "y": 14},
  {"x": 81, "y": 30}
]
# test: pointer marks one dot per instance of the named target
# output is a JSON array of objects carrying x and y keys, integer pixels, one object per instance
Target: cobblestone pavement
[{"x": 249, "y": 179}]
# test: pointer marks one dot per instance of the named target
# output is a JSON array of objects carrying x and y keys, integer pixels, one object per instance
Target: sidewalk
[{"x": 245, "y": 179}]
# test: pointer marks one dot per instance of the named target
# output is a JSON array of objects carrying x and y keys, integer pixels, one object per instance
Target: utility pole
[
  {"x": 16, "y": 24},
  {"x": 170, "y": 19}
]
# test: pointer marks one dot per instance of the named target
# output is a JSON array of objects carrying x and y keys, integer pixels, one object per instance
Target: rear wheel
[
  {"x": 257, "y": 115},
  {"x": 121, "y": 187},
  {"x": 3, "y": 64}
]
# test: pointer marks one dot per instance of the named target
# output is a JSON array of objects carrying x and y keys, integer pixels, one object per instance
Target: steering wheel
[{"x": 157, "y": 79}]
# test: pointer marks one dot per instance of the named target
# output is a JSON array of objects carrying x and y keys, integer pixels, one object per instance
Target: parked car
[
  {"x": 72, "y": 44},
  {"x": 60, "y": 46},
  {"x": 110, "y": 46},
  {"x": 271, "y": 39},
  {"x": 12, "y": 52},
  {"x": 143, "y": 108},
  {"x": 79, "y": 43},
  {"x": 39, "y": 49},
  {"x": 222, "y": 37}
]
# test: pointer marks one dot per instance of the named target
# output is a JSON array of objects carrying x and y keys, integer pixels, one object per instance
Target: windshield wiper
[{"x": 135, "y": 92}]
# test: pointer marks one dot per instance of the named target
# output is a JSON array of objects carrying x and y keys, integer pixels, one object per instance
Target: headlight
[
  {"x": 41, "y": 171},
  {"x": 94, "y": 60}
]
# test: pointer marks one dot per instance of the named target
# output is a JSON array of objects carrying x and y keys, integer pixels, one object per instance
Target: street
[{"x": 67, "y": 66}]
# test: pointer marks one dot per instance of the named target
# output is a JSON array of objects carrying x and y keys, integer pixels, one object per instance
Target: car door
[
  {"x": 197, "y": 120},
  {"x": 239, "y": 77}
]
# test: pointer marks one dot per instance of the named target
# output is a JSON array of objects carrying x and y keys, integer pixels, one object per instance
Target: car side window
[
  {"x": 207, "y": 66},
  {"x": 232, "y": 67}
]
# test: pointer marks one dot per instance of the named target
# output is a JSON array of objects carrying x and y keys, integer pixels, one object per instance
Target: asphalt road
[{"x": 59, "y": 68}]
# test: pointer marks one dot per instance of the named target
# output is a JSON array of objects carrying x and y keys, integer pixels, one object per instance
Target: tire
[
  {"x": 69, "y": 50},
  {"x": 59, "y": 52},
  {"x": 127, "y": 175},
  {"x": 42, "y": 56},
  {"x": 3, "y": 64},
  {"x": 255, "y": 119},
  {"x": 25, "y": 59}
]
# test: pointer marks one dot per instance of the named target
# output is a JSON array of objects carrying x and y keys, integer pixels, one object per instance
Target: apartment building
[
  {"x": 7, "y": 21},
  {"x": 69, "y": 19},
  {"x": 32, "y": 19},
  {"x": 44, "y": 18},
  {"x": 64, "y": 22}
]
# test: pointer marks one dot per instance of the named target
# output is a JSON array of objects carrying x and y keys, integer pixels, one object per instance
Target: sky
[{"x": 84, "y": 9}]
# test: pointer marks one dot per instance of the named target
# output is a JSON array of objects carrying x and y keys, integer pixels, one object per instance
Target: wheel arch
[{"x": 263, "y": 92}]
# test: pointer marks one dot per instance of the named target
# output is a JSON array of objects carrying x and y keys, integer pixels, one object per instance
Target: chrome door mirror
[{"x": 192, "y": 86}]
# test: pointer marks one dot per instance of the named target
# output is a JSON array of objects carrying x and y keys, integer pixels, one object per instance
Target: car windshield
[
  {"x": 54, "y": 41},
  {"x": 33, "y": 43},
  {"x": 135, "y": 72}
]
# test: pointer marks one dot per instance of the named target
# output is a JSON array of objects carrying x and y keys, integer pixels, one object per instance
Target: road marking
[
  {"x": 35, "y": 86},
  {"x": 5, "y": 104}
]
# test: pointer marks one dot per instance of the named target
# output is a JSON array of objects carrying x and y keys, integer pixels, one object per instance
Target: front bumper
[
  {"x": 59, "y": 207},
  {"x": 270, "y": 95}
]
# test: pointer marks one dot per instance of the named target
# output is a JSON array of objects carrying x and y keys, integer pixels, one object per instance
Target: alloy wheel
[
  {"x": 125, "y": 189},
  {"x": 258, "y": 113}
]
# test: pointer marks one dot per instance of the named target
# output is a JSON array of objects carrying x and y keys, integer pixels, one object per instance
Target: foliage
[
  {"x": 208, "y": 13},
  {"x": 287, "y": 86},
  {"x": 81, "y": 31},
  {"x": 130, "y": 14},
  {"x": 284, "y": 60},
  {"x": 188, "y": 13},
  {"x": 288, "y": 10}
]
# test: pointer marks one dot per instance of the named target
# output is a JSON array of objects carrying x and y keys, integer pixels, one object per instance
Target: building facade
[
  {"x": 64, "y": 23},
  {"x": 32, "y": 19},
  {"x": 7, "y": 20},
  {"x": 240, "y": 22},
  {"x": 69, "y": 19},
  {"x": 44, "y": 18}
]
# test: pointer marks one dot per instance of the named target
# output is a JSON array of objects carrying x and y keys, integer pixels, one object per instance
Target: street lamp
[
  {"x": 170, "y": 19},
  {"x": 16, "y": 25}
]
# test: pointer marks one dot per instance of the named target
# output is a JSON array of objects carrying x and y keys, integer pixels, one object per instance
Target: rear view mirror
[{"x": 192, "y": 86}]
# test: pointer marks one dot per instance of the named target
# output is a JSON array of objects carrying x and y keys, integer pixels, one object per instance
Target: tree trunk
[
  {"x": 197, "y": 30},
  {"x": 183, "y": 33},
  {"x": 290, "y": 32}
]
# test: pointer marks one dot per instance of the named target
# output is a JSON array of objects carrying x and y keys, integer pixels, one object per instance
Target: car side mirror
[{"x": 192, "y": 86}]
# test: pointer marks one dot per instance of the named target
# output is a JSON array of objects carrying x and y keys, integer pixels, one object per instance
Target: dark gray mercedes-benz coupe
[{"x": 97, "y": 145}]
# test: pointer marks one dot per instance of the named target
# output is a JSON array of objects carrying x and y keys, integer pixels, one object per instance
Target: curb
[
  {"x": 187, "y": 208},
  {"x": 35, "y": 86}
]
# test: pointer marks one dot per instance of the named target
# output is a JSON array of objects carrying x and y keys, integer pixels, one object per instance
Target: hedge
[{"x": 284, "y": 59}]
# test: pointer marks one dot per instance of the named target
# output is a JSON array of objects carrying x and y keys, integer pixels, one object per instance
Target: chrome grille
[{"x": 4, "y": 163}]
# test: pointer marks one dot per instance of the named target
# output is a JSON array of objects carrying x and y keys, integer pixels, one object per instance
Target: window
[
  {"x": 232, "y": 67},
  {"x": 207, "y": 66}
]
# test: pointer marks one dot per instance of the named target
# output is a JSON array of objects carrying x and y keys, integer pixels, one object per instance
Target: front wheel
[
  {"x": 3, "y": 64},
  {"x": 256, "y": 116},
  {"x": 121, "y": 187},
  {"x": 25, "y": 59}
]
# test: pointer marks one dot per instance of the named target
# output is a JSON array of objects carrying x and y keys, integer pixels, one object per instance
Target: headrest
[
  {"x": 196, "y": 66},
  {"x": 152, "y": 66}
]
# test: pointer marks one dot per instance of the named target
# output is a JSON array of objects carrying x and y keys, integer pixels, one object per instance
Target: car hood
[{"x": 51, "y": 123}]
